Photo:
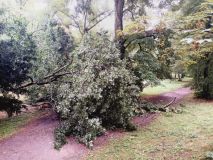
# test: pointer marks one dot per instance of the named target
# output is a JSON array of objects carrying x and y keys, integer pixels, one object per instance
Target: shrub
[
  {"x": 100, "y": 93},
  {"x": 10, "y": 105}
]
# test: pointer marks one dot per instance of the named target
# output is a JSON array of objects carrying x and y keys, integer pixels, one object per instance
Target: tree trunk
[
  {"x": 9, "y": 113},
  {"x": 206, "y": 89},
  {"x": 119, "y": 6},
  {"x": 179, "y": 77}
]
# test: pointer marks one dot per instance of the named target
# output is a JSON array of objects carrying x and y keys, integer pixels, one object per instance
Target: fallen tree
[{"x": 150, "y": 107}]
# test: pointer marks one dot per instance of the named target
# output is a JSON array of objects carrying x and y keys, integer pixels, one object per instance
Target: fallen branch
[
  {"x": 170, "y": 103},
  {"x": 163, "y": 108}
]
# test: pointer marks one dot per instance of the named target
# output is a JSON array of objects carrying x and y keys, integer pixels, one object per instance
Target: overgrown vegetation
[{"x": 100, "y": 94}]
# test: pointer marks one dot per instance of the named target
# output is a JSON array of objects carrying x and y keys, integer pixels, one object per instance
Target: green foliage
[
  {"x": 100, "y": 93},
  {"x": 53, "y": 51},
  {"x": 17, "y": 51},
  {"x": 202, "y": 73},
  {"x": 10, "y": 105},
  {"x": 145, "y": 67},
  {"x": 152, "y": 55},
  {"x": 196, "y": 53}
]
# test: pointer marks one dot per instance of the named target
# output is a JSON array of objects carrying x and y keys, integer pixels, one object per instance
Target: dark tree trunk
[
  {"x": 119, "y": 6},
  {"x": 206, "y": 89},
  {"x": 9, "y": 113},
  {"x": 179, "y": 77}
]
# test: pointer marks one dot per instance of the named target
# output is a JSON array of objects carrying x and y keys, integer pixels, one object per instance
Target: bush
[
  {"x": 10, "y": 105},
  {"x": 100, "y": 93}
]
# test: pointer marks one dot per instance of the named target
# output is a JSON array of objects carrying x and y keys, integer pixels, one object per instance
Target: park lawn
[
  {"x": 165, "y": 86},
  {"x": 184, "y": 136},
  {"x": 12, "y": 125}
]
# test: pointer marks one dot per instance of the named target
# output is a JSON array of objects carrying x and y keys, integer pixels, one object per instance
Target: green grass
[
  {"x": 11, "y": 125},
  {"x": 171, "y": 136},
  {"x": 165, "y": 86}
]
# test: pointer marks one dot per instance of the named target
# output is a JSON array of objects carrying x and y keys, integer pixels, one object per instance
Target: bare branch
[
  {"x": 74, "y": 23},
  {"x": 95, "y": 24},
  {"x": 170, "y": 103}
]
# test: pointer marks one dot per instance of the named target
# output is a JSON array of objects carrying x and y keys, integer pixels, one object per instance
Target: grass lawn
[
  {"x": 11, "y": 125},
  {"x": 165, "y": 86},
  {"x": 171, "y": 136}
]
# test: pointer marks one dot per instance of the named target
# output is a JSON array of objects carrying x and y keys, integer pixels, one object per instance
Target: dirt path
[
  {"x": 35, "y": 142},
  {"x": 166, "y": 97}
]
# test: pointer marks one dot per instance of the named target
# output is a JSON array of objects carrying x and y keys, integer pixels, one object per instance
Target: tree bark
[
  {"x": 179, "y": 77},
  {"x": 119, "y": 7}
]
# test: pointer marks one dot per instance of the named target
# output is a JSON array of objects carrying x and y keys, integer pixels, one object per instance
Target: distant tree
[
  {"x": 179, "y": 69},
  {"x": 85, "y": 17}
]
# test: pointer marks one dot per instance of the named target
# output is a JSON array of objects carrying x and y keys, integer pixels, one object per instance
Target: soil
[{"x": 35, "y": 141}]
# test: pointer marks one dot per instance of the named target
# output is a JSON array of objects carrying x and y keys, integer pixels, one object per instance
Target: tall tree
[
  {"x": 119, "y": 6},
  {"x": 119, "y": 13},
  {"x": 84, "y": 17}
]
